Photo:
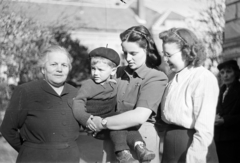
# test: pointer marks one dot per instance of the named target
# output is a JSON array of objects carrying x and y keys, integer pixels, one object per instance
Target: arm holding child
[{"x": 79, "y": 106}]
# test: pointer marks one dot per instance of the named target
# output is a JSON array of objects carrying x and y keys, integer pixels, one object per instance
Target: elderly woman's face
[
  {"x": 227, "y": 75},
  {"x": 134, "y": 54},
  {"x": 56, "y": 68}
]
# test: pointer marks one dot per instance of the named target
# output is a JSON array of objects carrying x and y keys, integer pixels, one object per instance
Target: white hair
[{"x": 55, "y": 48}]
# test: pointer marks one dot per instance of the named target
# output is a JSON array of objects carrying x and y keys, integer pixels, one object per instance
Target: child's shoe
[
  {"x": 143, "y": 154},
  {"x": 125, "y": 157}
]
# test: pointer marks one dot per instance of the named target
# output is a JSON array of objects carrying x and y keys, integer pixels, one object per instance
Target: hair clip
[
  {"x": 179, "y": 37},
  {"x": 123, "y": 1},
  {"x": 140, "y": 33}
]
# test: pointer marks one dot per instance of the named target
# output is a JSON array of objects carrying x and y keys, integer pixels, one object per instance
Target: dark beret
[
  {"x": 231, "y": 63},
  {"x": 108, "y": 53}
]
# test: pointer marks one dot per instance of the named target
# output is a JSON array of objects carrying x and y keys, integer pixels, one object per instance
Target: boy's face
[{"x": 101, "y": 72}]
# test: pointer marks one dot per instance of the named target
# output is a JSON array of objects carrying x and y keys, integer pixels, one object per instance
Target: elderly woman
[
  {"x": 227, "y": 122},
  {"x": 39, "y": 123},
  {"x": 189, "y": 101}
]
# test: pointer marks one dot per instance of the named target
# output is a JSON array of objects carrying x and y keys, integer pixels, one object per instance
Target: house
[
  {"x": 231, "y": 42},
  {"x": 98, "y": 23}
]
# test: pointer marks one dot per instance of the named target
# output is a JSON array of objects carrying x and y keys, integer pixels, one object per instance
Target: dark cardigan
[
  {"x": 230, "y": 111},
  {"x": 40, "y": 124}
]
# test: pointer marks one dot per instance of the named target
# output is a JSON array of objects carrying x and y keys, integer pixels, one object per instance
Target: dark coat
[
  {"x": 40, "y": 125},
  {"x": 230, "y": 111}
]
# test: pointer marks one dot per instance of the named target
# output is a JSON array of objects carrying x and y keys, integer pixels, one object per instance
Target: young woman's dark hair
[
  {"x": 188, "y": 42},
  {"x": 141, "y": 35},
  {"x": 231, "y": 64}
]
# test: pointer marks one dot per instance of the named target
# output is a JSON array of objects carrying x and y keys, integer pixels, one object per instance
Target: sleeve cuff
[
  {"x": 145, "y": 104},
  {"x": 85, "y": 119}
]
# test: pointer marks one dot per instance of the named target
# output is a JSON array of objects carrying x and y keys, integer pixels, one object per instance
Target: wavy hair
[
  {"x": 188, "y": 42},
  {"x": 141, "y": 36},
  {"x": 54, "y": 48}
]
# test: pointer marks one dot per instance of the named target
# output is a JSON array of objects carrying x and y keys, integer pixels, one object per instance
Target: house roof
[
  {"x": 175, "y": 16},
  {"x": 85, "y": 17},
  {"x": 107, "y": 19}
]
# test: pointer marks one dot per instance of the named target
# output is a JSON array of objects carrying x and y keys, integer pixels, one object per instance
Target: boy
[{"x": 97, "y": 97}]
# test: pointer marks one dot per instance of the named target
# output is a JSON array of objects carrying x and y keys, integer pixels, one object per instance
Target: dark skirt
[
  {"x": 228, "y": 151},
  {"x": 176, "y": 143}
]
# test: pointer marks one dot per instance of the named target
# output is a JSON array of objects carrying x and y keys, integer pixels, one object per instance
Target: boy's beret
[{"x": 108, "y": 53}]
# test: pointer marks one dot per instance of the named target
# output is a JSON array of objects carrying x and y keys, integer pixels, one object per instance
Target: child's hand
[
  {"x": 218, "y": 120},
  {"x": 97, "y": 121},
  {"x": 90, "y": 124},
  {"x": 94, "y": 134}
]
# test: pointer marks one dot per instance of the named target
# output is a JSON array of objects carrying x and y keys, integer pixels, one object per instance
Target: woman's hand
[
  {"x": 98, "y": 122},
  {"x": 218, "y": 120}
]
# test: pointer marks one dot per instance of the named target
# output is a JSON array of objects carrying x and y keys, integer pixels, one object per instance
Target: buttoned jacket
[
  {"x": 38, "y": 118},
  {"x": 141, "y": 88}
]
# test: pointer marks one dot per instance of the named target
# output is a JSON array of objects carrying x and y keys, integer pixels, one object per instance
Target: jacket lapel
[
  {"x": 47, "y": 88},
  {"x": 230, "y": 98},
  {"x": 66, "y": 90}
]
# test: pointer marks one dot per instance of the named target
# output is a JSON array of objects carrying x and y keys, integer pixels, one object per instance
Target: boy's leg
[
  {"x": 137, "y": 143},
  {"x": 119, "y": 139},
  {"x": 133, "y": 136},
  {"x": 150, "y": 136},
  {"x": 121, "y": 149}
]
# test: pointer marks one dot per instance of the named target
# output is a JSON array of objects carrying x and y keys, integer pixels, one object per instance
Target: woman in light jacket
[{"x": 189, "y": 101}]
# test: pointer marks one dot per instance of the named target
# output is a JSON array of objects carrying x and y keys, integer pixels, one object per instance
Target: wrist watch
[{"x": 104, "y": 123}]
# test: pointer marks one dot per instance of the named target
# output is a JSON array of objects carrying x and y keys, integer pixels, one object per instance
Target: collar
[
  {"x": 46, "y": 87},
  {"x": 110, "y": 82},
  {"x": 183, "y": 74},
  {"x": 141, "y": 72},
  {"x": 233, "y": 84},
  {"x": 66, "y": 89}
]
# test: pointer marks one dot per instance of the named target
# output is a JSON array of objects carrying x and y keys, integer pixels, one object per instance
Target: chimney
[{"x": 141, "y": 11}]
